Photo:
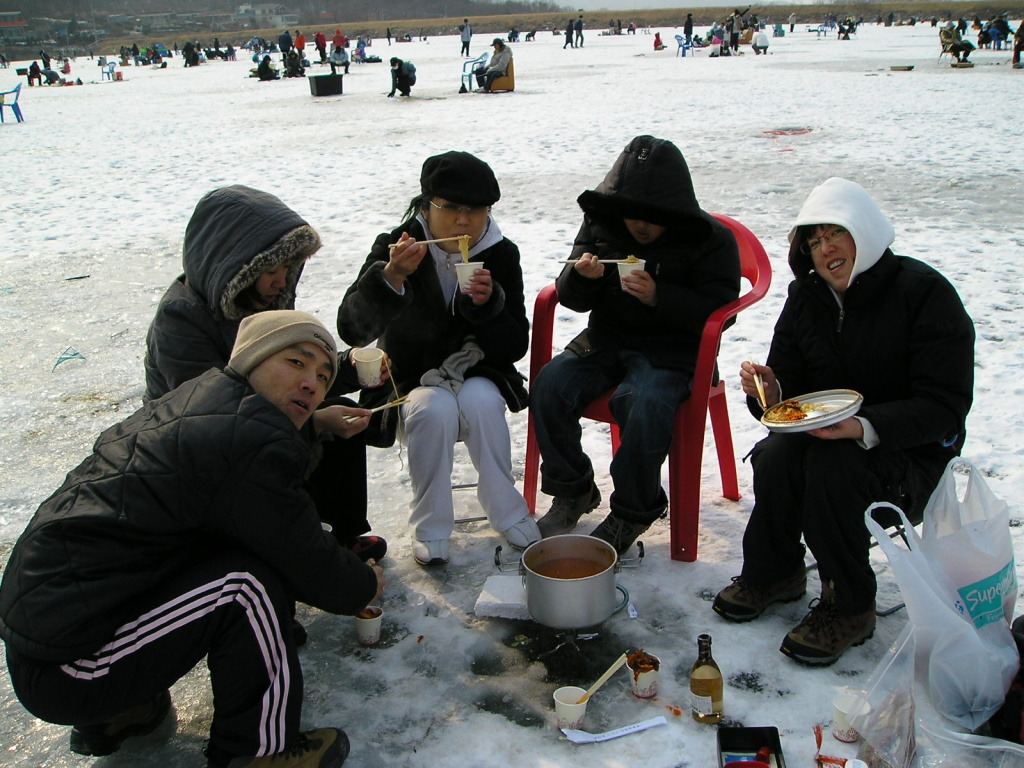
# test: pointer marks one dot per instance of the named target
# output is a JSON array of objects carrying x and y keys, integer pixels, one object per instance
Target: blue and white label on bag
[{"x": 982, "y": 601}]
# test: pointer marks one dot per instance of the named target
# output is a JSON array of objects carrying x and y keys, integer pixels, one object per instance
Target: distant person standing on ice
[
  {"x": 578, "y": 29},
  {"x": 568, "y": 35},
  {"x": 284, "y": 42},
  {"x": 465, "y": 34},
  {"x": 688, "y": 29},
  {"x": 320, "y": 40}
]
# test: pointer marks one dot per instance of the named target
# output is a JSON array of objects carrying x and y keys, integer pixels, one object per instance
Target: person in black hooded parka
[{"x": 642, "y": 337}]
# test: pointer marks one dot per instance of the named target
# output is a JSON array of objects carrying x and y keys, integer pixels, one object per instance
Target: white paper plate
[{"x": 828, "y": 407}]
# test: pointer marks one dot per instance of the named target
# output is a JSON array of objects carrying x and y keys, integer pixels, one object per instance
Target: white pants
[{"x": 432, "y": 427}]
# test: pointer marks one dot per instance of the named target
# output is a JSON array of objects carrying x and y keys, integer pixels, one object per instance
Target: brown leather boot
[
  {"x": 742, "y": 601},
  {"x": 823, "y": 635}
]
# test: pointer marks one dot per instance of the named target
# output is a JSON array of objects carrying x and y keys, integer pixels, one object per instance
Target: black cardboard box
[
  {"x": 739, "y": 744},
  {"x": 325, "y": 85}
]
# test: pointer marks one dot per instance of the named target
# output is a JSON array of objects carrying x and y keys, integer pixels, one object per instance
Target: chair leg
[
  {"x": 532, "y": 468},
  {"x": 718, "y": 411},
  {"x": 685, "y": 458}
]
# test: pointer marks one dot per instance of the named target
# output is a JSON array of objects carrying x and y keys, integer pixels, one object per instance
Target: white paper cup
[
  {"x": 569, "y": 714},
  {"x": 464, "y": 271},
  {"x": 368, "y": 360},
  {"x": 369, "y": 629},
  {"x": 841, "y": 728},
  {"x": 627, "y": 269},
  {"x": 645, "y": 684}
]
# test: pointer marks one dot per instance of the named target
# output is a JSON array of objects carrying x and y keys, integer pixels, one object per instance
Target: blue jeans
[{"x": 644, "y": 405}]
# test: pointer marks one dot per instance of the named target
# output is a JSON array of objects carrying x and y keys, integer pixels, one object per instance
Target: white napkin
[{"x": 582, "y": 737}]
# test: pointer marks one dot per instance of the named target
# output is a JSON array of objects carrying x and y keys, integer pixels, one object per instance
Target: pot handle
[
  {"x": 510, "y": 565},
  {"x": 633, "y": 562},
  {"x": 625, "y": 599}
]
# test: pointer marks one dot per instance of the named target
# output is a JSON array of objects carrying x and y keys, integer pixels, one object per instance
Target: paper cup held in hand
[
  {"x": 841, "y": 728},
  {"x": 569, "y": 714},
  {"x": 626, "y": 267},
  {"x": 464, "y": 271},
  {"x": 368, "y": 360},
  {"x": 368, "y": 623},
  {"x": 644, "y": 682}
]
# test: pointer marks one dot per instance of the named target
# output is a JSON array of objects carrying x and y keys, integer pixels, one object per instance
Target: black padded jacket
[{"x": 210, "y": 466}]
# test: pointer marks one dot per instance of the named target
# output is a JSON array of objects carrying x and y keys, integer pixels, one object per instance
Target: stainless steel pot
[{"x": 570, "y": 581}]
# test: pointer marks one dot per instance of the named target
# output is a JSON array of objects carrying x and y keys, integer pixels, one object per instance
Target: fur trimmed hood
[{"x": 230, "y": 225}]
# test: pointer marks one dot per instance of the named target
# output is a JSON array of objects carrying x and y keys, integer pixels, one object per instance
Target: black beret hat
[{"x": 460, "y": 178}]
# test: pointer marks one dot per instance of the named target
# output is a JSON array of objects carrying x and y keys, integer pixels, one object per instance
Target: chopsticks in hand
[
  {"x": 392, "y": 404},
  {"x": 759, "y": 383}
]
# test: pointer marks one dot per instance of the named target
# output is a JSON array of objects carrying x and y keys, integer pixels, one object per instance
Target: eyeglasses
[
  {"x": 814, "y": 244},
  {"x": 461, "y": 210}
]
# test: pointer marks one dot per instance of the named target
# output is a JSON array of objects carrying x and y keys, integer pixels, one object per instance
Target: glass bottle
[{"x": 705, "y": 685}]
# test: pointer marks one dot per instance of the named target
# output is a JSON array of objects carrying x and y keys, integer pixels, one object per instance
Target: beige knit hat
[{"x": 266, "y": 333}]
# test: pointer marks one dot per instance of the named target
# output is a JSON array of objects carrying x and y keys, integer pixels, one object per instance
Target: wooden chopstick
[
  {"x": 438, "y": 240},
  {"x": 392, "y": 404},
  {"x": 759, "y": 383},
  {"x": 600, "y": 261}
]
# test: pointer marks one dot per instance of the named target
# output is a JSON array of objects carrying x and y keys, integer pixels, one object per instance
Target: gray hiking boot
[
  {"x": 565, "y": 512},
  {"x": 619, "y": 533}
]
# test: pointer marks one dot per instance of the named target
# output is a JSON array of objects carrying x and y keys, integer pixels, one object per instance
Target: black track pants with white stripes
[{"x": 231, "y": 608}]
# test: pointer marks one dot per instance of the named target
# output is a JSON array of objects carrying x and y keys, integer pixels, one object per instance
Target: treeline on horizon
[{"x": 310, "y": 11}]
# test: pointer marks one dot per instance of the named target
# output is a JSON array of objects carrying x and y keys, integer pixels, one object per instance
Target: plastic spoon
[{"x": 603, "y": 678}]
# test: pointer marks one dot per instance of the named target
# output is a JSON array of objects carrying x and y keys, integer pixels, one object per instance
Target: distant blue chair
[
  {"x": 108, "y": 71},
  {"x": 11, "y": 103},
  {"x": 683, "y": 47},
  {"x": 469, "y": 66}
]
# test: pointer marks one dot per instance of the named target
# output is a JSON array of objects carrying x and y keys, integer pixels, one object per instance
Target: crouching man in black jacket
[{"x": 187, "y": 534}]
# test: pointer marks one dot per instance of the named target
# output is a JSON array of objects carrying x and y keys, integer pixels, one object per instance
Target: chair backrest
[
  {"x": 679, "y": 39},
  {"x": 754, "y": 267},
  {"x": 469, "y": 66}
]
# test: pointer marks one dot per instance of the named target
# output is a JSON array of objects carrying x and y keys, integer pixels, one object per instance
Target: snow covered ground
[{"x": 99, "y": 182}]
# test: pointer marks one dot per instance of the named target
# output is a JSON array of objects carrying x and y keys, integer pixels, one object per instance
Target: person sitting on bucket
[
  {"x": 496, "y": 67},
  {"x": 338, "y": 59}
]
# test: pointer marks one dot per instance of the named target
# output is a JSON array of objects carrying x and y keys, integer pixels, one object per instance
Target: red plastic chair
[{"x": 687, "y": 450}]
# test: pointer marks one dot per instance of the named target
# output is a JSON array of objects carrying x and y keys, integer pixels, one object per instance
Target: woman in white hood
[{"x": 893, "y": 329}]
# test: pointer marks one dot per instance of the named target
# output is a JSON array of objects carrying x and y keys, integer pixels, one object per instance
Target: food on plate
[
  {"x": 641, "y": 662},
  {"x": 789, "y": 410}
]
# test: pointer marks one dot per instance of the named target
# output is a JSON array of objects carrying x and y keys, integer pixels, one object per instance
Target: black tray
[{"x": 733, "y": 742}]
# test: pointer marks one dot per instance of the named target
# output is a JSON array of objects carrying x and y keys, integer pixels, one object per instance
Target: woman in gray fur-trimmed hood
[{"x": 244, "y": 252}]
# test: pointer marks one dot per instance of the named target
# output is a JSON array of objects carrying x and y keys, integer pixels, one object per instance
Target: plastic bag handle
[{"x": 885, "y": 542}]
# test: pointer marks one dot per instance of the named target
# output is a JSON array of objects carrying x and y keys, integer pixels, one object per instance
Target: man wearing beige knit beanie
[{"x": 187, "y": 535}]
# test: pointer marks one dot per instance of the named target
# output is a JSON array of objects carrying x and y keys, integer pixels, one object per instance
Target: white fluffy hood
[{"x": 847, "y": 204}]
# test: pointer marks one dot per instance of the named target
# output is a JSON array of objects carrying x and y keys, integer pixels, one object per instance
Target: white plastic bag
[
  {"x": 900, "y": 729},
  {"x": 959, "y": 583},
  {"x": 884, "y": 714}
]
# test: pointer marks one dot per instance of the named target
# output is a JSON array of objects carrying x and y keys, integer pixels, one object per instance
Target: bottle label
[{"x": 701, "y": 705}]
